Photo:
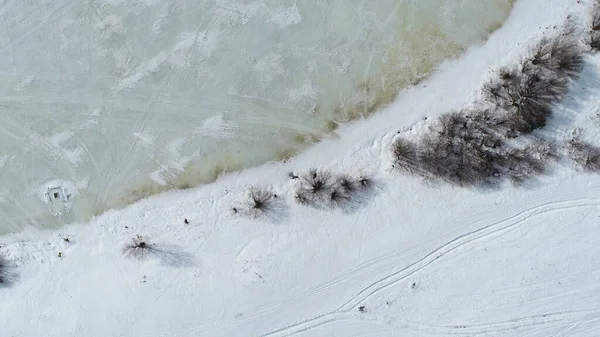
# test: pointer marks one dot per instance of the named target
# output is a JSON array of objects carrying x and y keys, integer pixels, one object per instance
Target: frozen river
[{"x": 105, "y": 102}]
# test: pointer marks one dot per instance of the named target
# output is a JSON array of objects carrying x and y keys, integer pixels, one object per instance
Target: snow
[{"x": 423, "y": 260}]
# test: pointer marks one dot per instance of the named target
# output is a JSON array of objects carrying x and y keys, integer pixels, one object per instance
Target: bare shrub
[
  {"x": 259, "y": 199},
  {"x": 7, "y": 275},
  {"x": 594, "y": 34},
  {"x": 460, "y": 125},
  {"x": 338, "y": 197},
  {"x": 585, "y": 155},
  {"x": 323, "y": 190},
  {"x": 344, "y": 188},
  {"x": 468, "y": 149},
  {"x": 303, "y": 197},
  {"x": 351, "y": 185},
  {"x": 405, "y": 155},
  {"x": 493, "y": 124},
  {"x": 262, "y": 203},
  {"x": 365, "y": 182},
  {"x": 561, "y": 56},
  {"x": 522, "y": 164},
  {"x": 3, "y": 270},
  {"x": 315, "y": 188},
  {"x": 350, "y": 192},
  {"x": 138, "y": 248},
  {"x": 259, "y": 202},
  {"x": 528, "y": 92},
  {"x": 346, "y": 184},
  {"x": 527, "y": 96},
  {"x": 460, "y": 151}
]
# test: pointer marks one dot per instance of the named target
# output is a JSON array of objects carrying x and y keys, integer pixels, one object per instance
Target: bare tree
[
  {"x": 262, "y": 203},
  {"x": 468, "y": 148},
  {"x": 321, "y": 189},
  {"x": 561, "y": 56},
  {"x": 529, "y": 91},
  {"x": 346, "y": 183},
  {"x": 138, "y": 247},
  {"x": 594, "y": 34},
  {"x": 7, "y": 276},
  {"x": 315, "y": 188},
  {"x": 405, "y": 155},
  {"x": 3, "y": 269},
  {"x": 473, "y": 148},
  {"x": 527, "y": 97},
  {"x": 585, "y": 155},
  {"x": 259, "y": 201},
  {"x": 365, "y": 182},
  {"x": 339, "y": 197},
  {"x": 521, "y": 164}
]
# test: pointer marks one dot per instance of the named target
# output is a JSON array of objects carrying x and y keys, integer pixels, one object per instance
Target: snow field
[{"x": 423, "y": 260}]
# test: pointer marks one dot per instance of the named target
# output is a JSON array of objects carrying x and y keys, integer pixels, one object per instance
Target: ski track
[
  {"x": 400, "y": 275},
  {"x": 566, "y": 331},
  {"x": 345, "y": 310},
  {"x": 559, "y": 318}
]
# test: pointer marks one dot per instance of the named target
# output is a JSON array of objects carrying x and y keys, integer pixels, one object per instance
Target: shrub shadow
[
  {"x": 8, "y": 276},
  {"x": 168, "y": 255}
]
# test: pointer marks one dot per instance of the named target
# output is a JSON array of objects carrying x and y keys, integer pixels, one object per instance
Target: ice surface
[{"x": 121, "y": 99}]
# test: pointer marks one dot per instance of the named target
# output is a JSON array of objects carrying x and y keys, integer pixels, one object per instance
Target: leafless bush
[
  {"x": 170, "y": 255},
  {"x": 346, "y": 183},
  {"x": 315, "y": 188},
  {"x": 365, "y": 182},
  {"x": 453, "y": 155},
  {"x": 405, "y": 155},
  {"x": 493, "y": 125},
  {"x": 7, "y": 276},
  {"x": 3, "y": 269},
  {"x": 527, "y": 96},
  {"x": 352, "y": 191},
  {"x": 560, "y": 56},
  {"x": 262, "y": 203},
  {"x": 471, "y": 148},
  {"x": 138, "y": 248},
  {"x": 585, "y": 155},
  {"x": 259, "y": 201},
  {"x": 466, "y": 149},
  {"x": 323, "y": 190},
  {"x": 524, "y": 163},
  {"x": 460, "y": 150},
  {"x": 338, "y": 197},
  {"x": 343, "y": 189},
  {"x": 594, "y": 34},
  {"x": 528, "y": 92}
]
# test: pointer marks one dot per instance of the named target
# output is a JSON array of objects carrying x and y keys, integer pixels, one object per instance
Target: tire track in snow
[
  {"x": 568, "y": 330},
  {"x": 463, "y": 240},
  {"x": 388, "y": 280},
  {"x": 502, "y": 326},
  {"x": 402, "y": 274},
  {"x": 577, "y": 318}
]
